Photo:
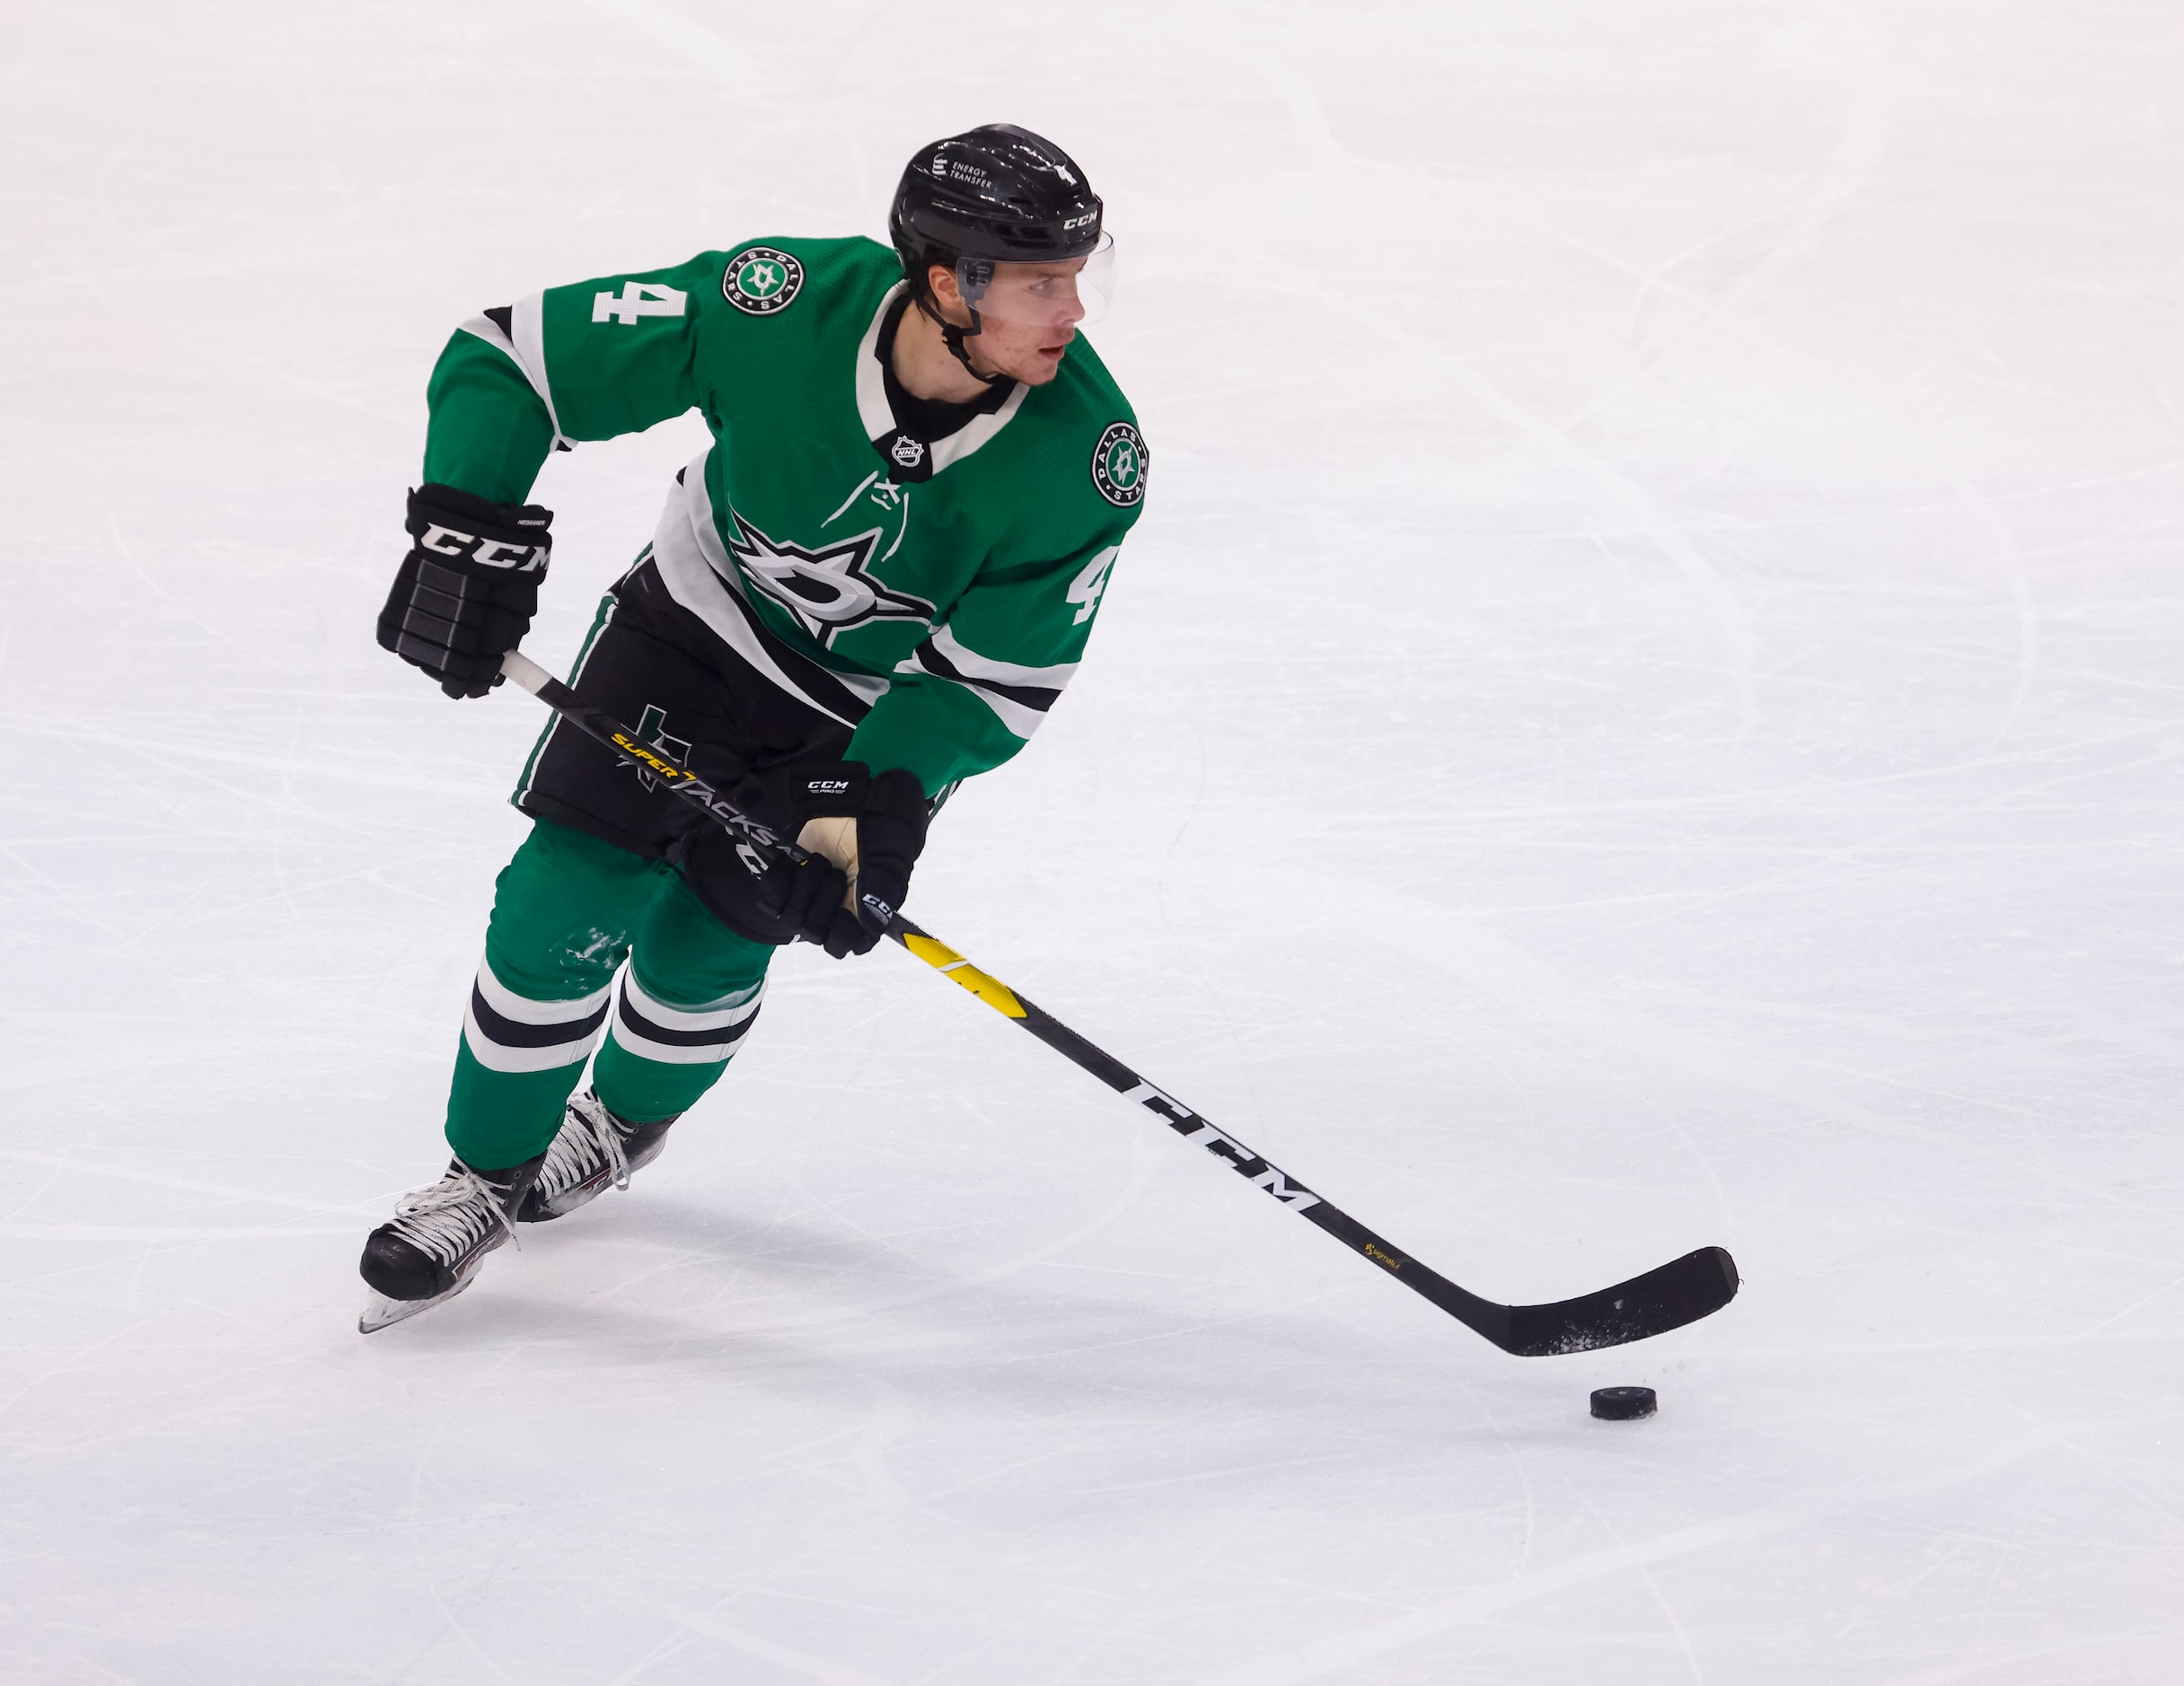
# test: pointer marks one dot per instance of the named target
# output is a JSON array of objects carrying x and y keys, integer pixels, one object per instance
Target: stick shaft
[
  {"x": 1483, "y": 1315},
  {"x": 1664, "y": 1298}
]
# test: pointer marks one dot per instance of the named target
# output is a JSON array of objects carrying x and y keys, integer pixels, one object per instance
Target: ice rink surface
[{"x": 1644, "y": 711}]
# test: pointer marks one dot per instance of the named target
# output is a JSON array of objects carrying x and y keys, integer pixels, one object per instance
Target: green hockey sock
[
  {"x": 691, "y": 990},
  {"x": 566, "y": 911}
]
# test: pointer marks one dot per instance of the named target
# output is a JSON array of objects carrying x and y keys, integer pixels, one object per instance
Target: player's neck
[{"x": 925, "y": 365}]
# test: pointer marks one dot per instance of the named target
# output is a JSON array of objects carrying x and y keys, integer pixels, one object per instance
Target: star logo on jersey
[
  {"x": 829, "y": 591},
  {"x": 1118, "y": 464},
  {"x": 760, "y": 280}
]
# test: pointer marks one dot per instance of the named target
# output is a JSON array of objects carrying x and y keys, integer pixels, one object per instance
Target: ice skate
[
  {"x": 429, "y": 1251},
  {"x": 595, "y": 1149}
]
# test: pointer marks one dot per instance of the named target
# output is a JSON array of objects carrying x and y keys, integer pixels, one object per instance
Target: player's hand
[
  {"x": 465, "y": 594},
  {"x": 758, "y": 894},
  {"x": 877, "y": 848}
]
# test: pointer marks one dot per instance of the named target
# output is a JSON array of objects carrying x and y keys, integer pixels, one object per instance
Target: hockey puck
[{"x": 1621, "y": 1404}]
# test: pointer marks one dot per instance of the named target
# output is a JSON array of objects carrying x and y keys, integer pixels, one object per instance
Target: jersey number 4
[
  {"x": 1085, "y": 589},
  {"x": 638, "y": 298}
]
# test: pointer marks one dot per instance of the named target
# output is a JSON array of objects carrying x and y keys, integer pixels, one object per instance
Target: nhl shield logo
[
  {"x": 1118, "y": 464},
  {"x": 760, "y": 281}
]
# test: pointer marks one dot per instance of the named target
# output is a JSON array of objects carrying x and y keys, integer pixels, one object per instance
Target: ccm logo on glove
[
  {"x": 490, "y": 552},
  {"x": 465, "y": 594}
]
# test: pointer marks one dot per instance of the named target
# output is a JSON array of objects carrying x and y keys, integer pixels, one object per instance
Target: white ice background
[{"x": 1644, "y": 711}]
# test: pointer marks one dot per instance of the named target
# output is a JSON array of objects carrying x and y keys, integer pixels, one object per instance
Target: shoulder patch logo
[
  {"x": 1118, "y": 464},
  {"x": 760, "y": 281}
]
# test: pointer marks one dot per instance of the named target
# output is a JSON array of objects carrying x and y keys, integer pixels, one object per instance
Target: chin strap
[{"x": 952, "y": 338}]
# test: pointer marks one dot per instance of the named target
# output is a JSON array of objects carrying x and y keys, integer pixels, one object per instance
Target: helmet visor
[{"x": 1061, "y": 293}]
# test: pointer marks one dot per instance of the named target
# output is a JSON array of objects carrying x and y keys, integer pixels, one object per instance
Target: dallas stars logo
[
  {"x": 829, "y": 591},
  {"x": 760, "y": 280},
  {"x": 1118, "y": 465}
]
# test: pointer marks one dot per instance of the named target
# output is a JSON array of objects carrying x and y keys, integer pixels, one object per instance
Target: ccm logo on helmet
[{"x": 488, "y": 552}]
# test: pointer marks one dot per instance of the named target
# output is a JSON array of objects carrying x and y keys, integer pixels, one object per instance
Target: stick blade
[{"x": 1680, "y": 1292}]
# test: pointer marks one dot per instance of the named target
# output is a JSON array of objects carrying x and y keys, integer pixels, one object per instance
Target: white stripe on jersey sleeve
[
  {"x": 973, "y": 665},
  {"x": 488, "y": 330},
  {"x": 987, "y": 680},
  {"x": 534, "y": 367},
  {"x": 527, "y": 317}
]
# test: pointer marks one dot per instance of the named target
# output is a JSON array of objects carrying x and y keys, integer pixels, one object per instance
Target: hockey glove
[
  {"x": 466, "y": 592},
  {"x": 767, "y": 900},
  {"x": 865, "y": 833},
  {"x": 878, "y": 846},
  {"x": 782, "y": 798}
]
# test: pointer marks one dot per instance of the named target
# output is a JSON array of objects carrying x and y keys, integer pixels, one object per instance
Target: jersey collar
[{"x": 879, "y": 418}]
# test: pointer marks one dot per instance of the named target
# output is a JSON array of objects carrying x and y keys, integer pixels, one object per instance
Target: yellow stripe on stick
[{"x": 946, "y": 961}]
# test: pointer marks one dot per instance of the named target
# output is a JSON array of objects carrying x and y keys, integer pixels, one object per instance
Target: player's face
[{"x": 1027, "y": 317}]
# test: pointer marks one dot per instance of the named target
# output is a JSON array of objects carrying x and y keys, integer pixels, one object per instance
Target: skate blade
[
  {"x": 546, "y": 1211},
  {"x": 563, "y": 1204},
  {"x": 379, "y": 1311}
]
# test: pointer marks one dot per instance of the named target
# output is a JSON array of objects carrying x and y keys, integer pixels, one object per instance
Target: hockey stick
[{"x": 1678, "y": 1292}]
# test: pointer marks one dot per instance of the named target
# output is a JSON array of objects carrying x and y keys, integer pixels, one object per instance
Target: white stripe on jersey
[
  {"x": 973, "y": 665},
  {"x": 698, "y": 574},
  {"x": 987, "y": 680},
  {"x": 878, "y": 416},
  {"x": 528, "y": 319}
]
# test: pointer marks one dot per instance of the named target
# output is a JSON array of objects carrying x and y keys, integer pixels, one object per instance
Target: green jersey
[{"x": 934, "y": 595}]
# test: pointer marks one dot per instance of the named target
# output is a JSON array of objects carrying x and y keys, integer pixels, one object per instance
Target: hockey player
[{"x": 874, "y": 585}]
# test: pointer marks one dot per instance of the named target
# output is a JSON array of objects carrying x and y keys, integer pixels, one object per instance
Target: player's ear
[{"x": 941, "y": 283}]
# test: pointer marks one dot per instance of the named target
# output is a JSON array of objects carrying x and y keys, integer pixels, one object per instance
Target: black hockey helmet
[
  {"x": 995, "y": 194},
  {"x": 1000, "y": 193}
]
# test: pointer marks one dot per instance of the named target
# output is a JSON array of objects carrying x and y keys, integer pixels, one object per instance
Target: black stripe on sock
[
  {"x": 639, "y": 1025},
  {"x": 506, "y": 1032}
]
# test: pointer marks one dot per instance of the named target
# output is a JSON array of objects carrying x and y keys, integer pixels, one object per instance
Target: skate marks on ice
[
  {"x": 764, "y": 1260},
  {"x": 1801, "y": 1510}
]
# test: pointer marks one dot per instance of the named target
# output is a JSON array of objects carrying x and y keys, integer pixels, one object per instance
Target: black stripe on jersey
[
  {"x": 1038, "y": 697},
  {"x": 810, "y": 684},
  {"x": 639, "y": 1025},
  {"x": 817, "y": 684},
  {"x": 514, "y": 1034}
]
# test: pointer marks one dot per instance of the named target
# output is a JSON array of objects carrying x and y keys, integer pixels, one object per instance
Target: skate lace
[
  {"x": 577, "y": 1152},
  {"x": 447, "y": 1219}
]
